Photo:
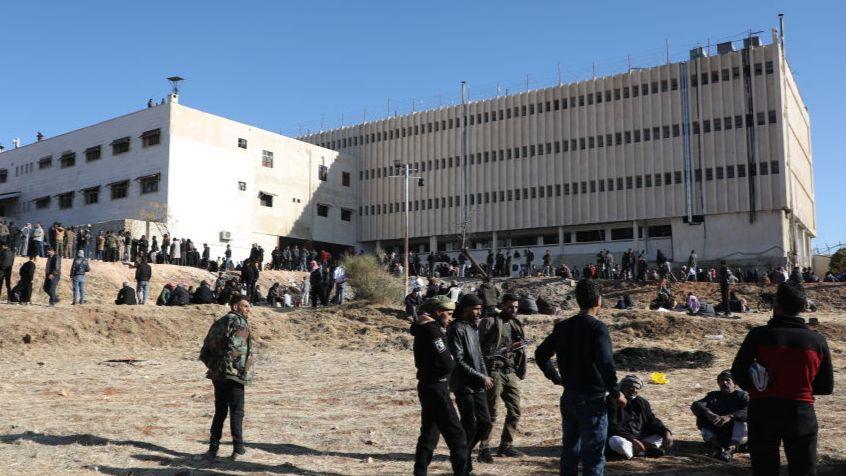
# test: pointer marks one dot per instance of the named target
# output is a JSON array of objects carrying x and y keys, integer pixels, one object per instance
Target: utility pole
[
  {"x": 404, "y": 172},
  {"x": 464, "y": 160}
]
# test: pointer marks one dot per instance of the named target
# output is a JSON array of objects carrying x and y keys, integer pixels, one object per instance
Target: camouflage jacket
[{"x": 227, "y": 350}]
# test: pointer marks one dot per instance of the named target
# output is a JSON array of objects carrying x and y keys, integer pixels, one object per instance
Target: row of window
[
  {"x": 91, "y": 195},
  {"x": 68, "y": 158},
  {"x": 266, "y": 200},
  {"x": 581, "y": 100},
  {"x": 599, "y": 141},
  {"x": 575, "y": 188}
]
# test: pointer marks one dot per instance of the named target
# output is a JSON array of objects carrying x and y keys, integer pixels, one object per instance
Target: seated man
[
  {"x": 126, "y": 295},
  {"x": 203, "y": 294},
  {"x": 721, "y": 417},
  {"x": 274, "y": 295},
  {"x": 634, "y": 430},
  {"x": 164, "y": 296},
  {"x": 179, "y": 296}
]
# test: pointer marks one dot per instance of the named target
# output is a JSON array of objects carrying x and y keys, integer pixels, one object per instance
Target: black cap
[{"x": 469, "y": 300}]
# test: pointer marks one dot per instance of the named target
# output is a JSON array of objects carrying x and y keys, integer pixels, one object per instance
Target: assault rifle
[{"x": 502, "y": 352}]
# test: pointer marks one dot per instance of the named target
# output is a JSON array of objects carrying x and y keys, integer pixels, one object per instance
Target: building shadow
[{"x": 656, "y": 359}]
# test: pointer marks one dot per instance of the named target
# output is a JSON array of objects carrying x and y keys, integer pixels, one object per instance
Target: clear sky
[{"x": 292, "y": 66}]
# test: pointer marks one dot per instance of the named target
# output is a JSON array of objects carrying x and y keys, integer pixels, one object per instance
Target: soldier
[
  {"x": 434, "y": 364},
  {"x": 497, "y": 335},
  {"x": 227, "y": 354}
]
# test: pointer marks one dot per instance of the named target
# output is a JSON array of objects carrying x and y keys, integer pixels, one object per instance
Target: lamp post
[{"x": 404, "y": 172}]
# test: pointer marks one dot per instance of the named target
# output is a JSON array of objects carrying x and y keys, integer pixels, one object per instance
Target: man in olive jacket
[
  {"x": 498, "y": 334},
  {"x": 227, "y": 353}
]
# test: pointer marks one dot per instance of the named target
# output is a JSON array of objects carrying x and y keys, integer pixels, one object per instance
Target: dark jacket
[
  {"x": 635, "y": 420},
  {"x": 126, "y": 295},
  {"x": 164, "y": 296},
  {"x": 720, "y": 403},
  {"x": 797, "y": 360},
  {"x": 490, "y": 339},
  {"x": 470, "y": 371},
  {"x": 488, "y": 294},
  {"x": 249, "y": 274},
  {"x": 582, "y": 346},
  {"x": 412, "y": 302},
  {"x": 27, "y": 272},
  {"x": 432, "y": 358},
  {"x": 203, "y": 295},
  {"x": 79, "y": 267},
  {"x": 54, "y": 265},
  {"x": 143, "y": 272},
  {"x": 7, "y": 259},
  {"x": 179, "y": 297},
  {"x": 317, "y": 279}
]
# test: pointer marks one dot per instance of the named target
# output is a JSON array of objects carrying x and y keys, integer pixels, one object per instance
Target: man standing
[
  {"x": 70, "y": 243},
  {"x": 59, "y": 239},
  {"x": 23, "y": 246},
  {"x": 724, "y": 276},
  {"x": 37, "y": 238},
  {"x": 434, "y": 364},
  {"x": 143, "y": 273},
  {"x": 227, "y": 353},
  {"x": 340, "y": 277},
  {"x": 79, "y": 267},
  {"x": 470, "y": 379},
  {"x": 530, "y": 267},
  {"x": 498, "y": 335},
  {"x": 547, "y": 264},
  {"x": 52, "y": 273},
  {"x": 582, "y": 346},
  {"x": 489, "y": 295},
  {"x": 782, "y": 365},
  {"x": 7, "y": 260},
  {"x": 206, "y": 255}
]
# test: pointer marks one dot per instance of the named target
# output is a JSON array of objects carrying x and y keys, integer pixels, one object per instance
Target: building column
[
  {"x": 433, "y": 244},
  {"x": 378, "y": 244},
  {"x": 494, "y": 241},
  {"x": 561, "y": 239},
  {"x": 635, "y": 237}
]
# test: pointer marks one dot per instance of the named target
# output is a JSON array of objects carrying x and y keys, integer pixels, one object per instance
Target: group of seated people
[
  {"x": 181, "y": 294},
  {"x": 634, "y": 430}
]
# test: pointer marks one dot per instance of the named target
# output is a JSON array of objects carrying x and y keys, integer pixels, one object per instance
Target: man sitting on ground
[
  {"x": 126, "y": 295},
  {"x": 179, "y": 296},
  {"x": 634, "y": 430},
  {"x": 721, "y": 417},
  {"x": 164, "y": 296},
  {"x": 203, "y": 294}
]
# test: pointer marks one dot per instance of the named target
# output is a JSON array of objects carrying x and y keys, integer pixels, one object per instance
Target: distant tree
[{"x": 838, "y": 261}]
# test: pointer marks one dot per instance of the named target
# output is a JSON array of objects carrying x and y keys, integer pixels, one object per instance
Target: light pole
[{"x": 404, "y": 172}]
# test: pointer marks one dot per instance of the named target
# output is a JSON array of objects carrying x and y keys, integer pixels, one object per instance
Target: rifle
[{"x": 502, "y": 352}]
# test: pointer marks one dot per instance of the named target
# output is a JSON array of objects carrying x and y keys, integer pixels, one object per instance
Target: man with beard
[
  {"x": 721, "y": 417},
  {"x": 497, "y": 335},
  {"x": 434, "y": 364},
  {"x": 470, "y": 379}
]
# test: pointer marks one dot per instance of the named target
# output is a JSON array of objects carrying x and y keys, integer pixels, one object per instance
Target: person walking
[
  {"x": 470, "y": 381},
  {"x": 7, "y": 260},
  {"x": 434, "y": 363},
  {"x": 79, "y": 267},
  {"x": 143, "y": 274},
  {"x": 227, "y": 354},
  {"x": 498, "y": 334},
  {"x": 582, "y": 346},
  {"x": 52, "y": 273},
  {"x": 782, "y": 365}
]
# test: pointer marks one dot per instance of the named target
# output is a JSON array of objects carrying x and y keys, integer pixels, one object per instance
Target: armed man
[
  {"x": 434, "y": 364},
  {"x": 503, "y": 345}
]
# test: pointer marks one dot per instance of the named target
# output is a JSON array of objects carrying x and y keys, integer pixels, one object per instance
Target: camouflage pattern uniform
[{"x": 227, "y": 352}]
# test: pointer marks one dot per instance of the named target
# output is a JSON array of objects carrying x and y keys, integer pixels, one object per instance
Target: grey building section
[{"x": 711, "y": 154}]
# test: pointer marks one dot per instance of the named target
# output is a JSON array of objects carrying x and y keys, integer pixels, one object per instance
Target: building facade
[
  {"x": 188, "y": 173},
  {"x": 711, "y": 154}
]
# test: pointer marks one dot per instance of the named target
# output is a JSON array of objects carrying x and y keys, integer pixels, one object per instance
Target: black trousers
[
  {"x": 724, "y": 294},
  {"x": 475, "y": 418},
  {"x": 772, "y": 422},
  {"x": 6, "y": 277},
  {"x": 228, "y": 398},
  {"x": 438, "y": 417}
]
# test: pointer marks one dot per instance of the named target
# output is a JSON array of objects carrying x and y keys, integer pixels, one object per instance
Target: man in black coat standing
[
  {"x": 7, "y": 260},
  {"x": 316, "y": 279},
  {"x": 52, "y": 273}
]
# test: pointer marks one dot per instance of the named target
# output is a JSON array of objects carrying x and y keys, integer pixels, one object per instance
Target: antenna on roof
[{"x": 174, "y": 84}]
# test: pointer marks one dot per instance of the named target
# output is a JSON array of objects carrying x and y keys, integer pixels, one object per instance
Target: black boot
[
  {"x": 213, "y": 447},
  {"x": 237, "y": 451}
]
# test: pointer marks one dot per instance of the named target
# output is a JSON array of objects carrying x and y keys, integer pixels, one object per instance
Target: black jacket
[
  {"x": 27, "y": 272},
  {"x": 143, "y": 272},
  {"x": 412, "y": 302},
  {"x": 126, "y": 295},
  {"x": 179, "y": 297},
  {"x": 317, "y": 279},
  {"x": 203, "y": 295},
  {"x": 582, "y": 346},
  {"x": 470, "y": 371},
  {"x": 7, "y": 259},
  {"x": 635, "y": 420},
  {"x": 54, "y": 265},
  {"x": 433, "y": 360},
  {"x": 249, "y": 274},
  {"x": 720, "y": 403}
]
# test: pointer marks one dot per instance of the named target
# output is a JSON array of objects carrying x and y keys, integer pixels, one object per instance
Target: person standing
[
  {"x": 249, "y": 276},
  {"x": 23, "y": 245},
  {"x": 316, "y": 285},
  {"x": 70, "y": 242},
  {"x": 498, "y": 335},
  {"x": 582, "y": 346},
  {"x": 59, "y": 239},
  {"x": 434, "y": 363},
  {"x": 227, "y": 354},
  {"x": 305, "y": 291},
  {"x": 782, "y": 365},
  {"x": 143, "y": 247},
  {"x": 470, "y": 380},
  {"x": 206, "y": 255},
  {"x": 143, "y": 274},
  {"x": 7, "y": 260},
  {"x": 52, "y": 273},
  {"x": 724, "y": 276},
  {"x": 176, "y": 252},
  {"x": 339, "y": 275},
  {"x": 79, "y": 267},
  {"x": 37, "y": 238},
  {"x": 547, "y": 264},
  {"x": 489, "y": 295},
  {"x": 27, "y": 274}
]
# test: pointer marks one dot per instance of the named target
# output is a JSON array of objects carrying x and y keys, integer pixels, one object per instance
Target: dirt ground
[{"x": 335, "y": 392}]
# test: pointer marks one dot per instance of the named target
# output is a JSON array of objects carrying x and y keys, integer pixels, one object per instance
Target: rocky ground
[{"x": 116, "y": 390}]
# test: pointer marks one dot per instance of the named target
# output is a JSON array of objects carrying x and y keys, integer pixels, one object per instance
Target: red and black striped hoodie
[{"x": 797, "y": 360}]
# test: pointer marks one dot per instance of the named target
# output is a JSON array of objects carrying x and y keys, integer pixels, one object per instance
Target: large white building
[
  {"x": 711, "y": 154},
  {"x": 190, "y": 173}
]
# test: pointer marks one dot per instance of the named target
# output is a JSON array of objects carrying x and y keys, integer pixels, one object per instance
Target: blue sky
[{"x": 292, "y": 66}]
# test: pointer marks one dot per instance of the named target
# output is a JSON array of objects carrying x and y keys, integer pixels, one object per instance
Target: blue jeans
[
  {"x": 584, "y": 421},
  {"x": 78, "y": 288},
  {"x": 141, "y": 291},
  {"x": 40, "y": 244},
  {"x": 339, "y": 292}
]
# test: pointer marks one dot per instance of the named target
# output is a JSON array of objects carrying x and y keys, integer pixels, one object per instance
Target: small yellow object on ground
[{"x": 658, "y": 377}]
